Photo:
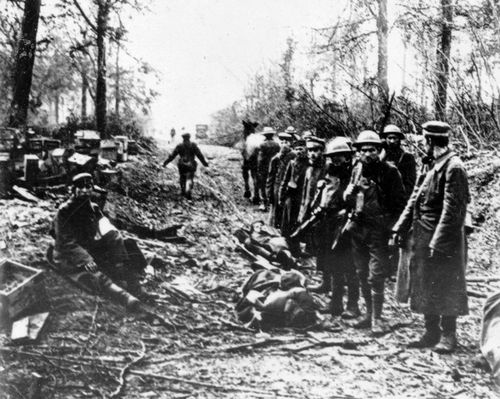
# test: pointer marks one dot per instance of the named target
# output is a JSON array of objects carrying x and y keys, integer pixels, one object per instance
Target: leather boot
[
  {"x": 352, "y": 308},
  {"x": 378, "y": 325},
  {"x": 119, "y": 295},
  {"x": 448, "y": 342},
  {"x": 431, "y": 336},
  {"x": 336, "y": 305},
  {"x": 366, "y": 320}
]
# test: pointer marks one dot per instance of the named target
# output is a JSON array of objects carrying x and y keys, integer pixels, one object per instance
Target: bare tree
[
  {"x": 443, "y": 59},
  {"x": 25, "y": 59}
]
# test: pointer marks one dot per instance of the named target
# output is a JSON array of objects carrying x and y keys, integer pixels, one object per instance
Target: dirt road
[{"x": 89, "y": 343}]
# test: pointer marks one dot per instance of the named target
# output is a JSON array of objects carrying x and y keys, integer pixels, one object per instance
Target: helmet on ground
[
  {"x": 339, "y": 145},
  {"x": 367, "y": 137},
  {"x": 392, "y": 129},
  {"x": 290, "y": 129},
  {"x": 436, "y": 129}
]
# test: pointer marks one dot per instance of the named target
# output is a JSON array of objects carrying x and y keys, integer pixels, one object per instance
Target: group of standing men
[{"x": 351, "y": 201}]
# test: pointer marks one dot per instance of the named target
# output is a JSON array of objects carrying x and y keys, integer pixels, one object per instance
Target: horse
[{"x": 250, "y": 151}]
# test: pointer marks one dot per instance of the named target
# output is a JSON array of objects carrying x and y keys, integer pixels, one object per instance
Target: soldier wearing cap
[
  {"x": 314, "y": 173},
  {"x": 434, "y": 217},
  {"x": 404, "y": 161},
  {"x": 267, "y": 150},
  {"x": 376, "y": 194},
  {"x": 290, "y": 192},
  {"x": 277, "y": 168},
  {"x": 330, "y": 208},
  {"x": 187, "y": 152},
  {"x": 91, "y": 255}
]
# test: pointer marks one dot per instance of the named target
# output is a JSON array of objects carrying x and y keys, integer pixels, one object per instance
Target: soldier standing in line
[
  {"x": 407, "y": 166},
  {"x": 315, "y": 172},
  {"x": 268, "y": 149},
  {"x": 334, "y": 247},
  {"x": 434, "y": 217},
  {"x": 404, "y": 161},
  {"x": 277, "y": 168},
  {"x": 187, "y": 152},
  {"x": 377, "y": 195},
  {"x": 290, "y": 192}
]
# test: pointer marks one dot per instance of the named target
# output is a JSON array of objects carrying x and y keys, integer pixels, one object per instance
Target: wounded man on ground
[
  {"x": 276, "y": 299},
  {"x": 91, "y": 252},
  {"x": 267, "y": 242}
]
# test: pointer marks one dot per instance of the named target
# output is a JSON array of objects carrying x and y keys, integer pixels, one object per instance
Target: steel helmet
[
  {"x": 392, "y": 129},
  {"x": 339, "y": 145},
  {"x": 367, "y": 137}
]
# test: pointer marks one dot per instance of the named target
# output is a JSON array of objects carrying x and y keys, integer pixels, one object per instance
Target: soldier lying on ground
[
  {"x": 270, "y": 299},
  {"x": 92, "y": 252},
  {"x": 264, "y": 241}
]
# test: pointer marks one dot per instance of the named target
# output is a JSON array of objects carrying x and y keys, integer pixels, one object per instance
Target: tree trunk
[
  {"x": 56, "y": 108},
  {"x": 382, "y": 35},
  {"x": 117, "y": 81},
  {"x": 25, "y": 59},
  {"x": 101, "y": 106},
  {"x": 443, "y": 58},
  {"x": 85, "y": 86}
]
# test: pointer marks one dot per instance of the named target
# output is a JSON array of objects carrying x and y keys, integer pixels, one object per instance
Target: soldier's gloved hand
[
  {"x": 165, "y": 164},
  {"x": 91, "y": 267}
]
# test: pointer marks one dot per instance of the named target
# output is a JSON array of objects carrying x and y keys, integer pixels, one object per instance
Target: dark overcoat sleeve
[{"x": 451, "y": 221}]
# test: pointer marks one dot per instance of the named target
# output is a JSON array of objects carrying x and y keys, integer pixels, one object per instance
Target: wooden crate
[{"x": 20, "y": 287}]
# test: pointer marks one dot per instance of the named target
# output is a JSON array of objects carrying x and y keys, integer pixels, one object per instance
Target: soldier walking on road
[
  {"x": 268, "y": 149},
  {"x": 275, "y": 176},
  {"x": 187, "y": 152},
  {"x": 435, "y": 219},
  {"x": 377, "y": 195},
  {"x": 290, "y": 192}
]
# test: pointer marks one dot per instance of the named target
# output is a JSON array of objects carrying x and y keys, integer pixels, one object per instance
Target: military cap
[
  {"x": 307, "y": 134},
  {"x": 290, "y": 129},
  {"x": 285, "y": 136},
  {"x": 81, "y": 179},
  {"x": 313, "y": 141},
  {"x": 186, "y": 134},
  {"x": 268, "y": 131},
  {"x": 436, "y": 129}
]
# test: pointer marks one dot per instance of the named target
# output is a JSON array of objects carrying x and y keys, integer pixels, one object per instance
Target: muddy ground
[{"x": 92, "y": 349}]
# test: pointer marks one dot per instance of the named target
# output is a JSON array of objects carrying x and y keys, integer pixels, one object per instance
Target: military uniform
[
  {"x": 78, "y": 243},
  {"x": 290, "y": 196},
  {"x": 277, "y": 169},
  {"x": 407, "y": 167},
  {"x": 187, "y": 152},
  {"x": 267, "y": 150}
]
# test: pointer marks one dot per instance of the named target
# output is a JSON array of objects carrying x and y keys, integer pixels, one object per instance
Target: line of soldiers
[{"x": 353, "y": 204}]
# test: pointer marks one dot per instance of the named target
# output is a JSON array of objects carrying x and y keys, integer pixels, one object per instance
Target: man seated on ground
[
  {"x": 270, "y": 299},
  {"x": 265, "y": 242},
  {"x": 91, "y": 251}
]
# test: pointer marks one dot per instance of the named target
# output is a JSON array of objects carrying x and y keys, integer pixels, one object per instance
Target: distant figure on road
[
  {"x": 172, "y": 135},
  {"x": 187, "y": 165}
]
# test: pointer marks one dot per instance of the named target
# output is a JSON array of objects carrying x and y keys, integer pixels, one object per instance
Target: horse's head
[{"x": 249, "y": 128}]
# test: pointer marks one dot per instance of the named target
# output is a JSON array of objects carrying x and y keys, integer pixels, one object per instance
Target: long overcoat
[
  {"x": 435, "y": 218},
  {"x": 290, "y": 194},
  {"x": 277, "y": 169}
]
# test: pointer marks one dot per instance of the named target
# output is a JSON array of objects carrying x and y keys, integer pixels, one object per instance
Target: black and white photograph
[{"x": 269, "y": 199}]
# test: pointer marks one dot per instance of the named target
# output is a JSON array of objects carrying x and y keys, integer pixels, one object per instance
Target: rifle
[{"x": 357, "y": 176}]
